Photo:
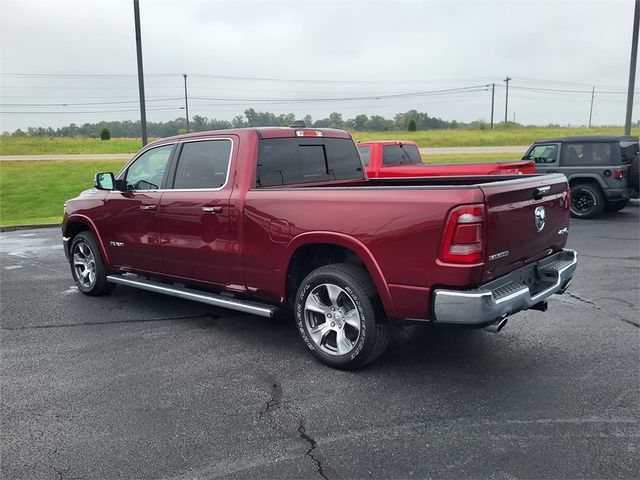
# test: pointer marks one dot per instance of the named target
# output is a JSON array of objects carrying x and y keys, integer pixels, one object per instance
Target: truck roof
[
  {"x": 388, "y": 142},
  {"x": 590, "y": 138},
  {"x": 263, "y": 132}
]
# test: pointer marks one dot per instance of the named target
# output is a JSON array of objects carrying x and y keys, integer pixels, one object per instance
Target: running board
[{"x": 255, "y": 308}]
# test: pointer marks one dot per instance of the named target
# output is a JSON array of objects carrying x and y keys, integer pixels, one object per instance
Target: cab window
[
  {"x": 203, "y": 164},
  {"x": 147, "y": 171},
  {"x": 543, "y": 154},
  {"x": 401, "y": 154},
  {"x": 365, "y": 152}
]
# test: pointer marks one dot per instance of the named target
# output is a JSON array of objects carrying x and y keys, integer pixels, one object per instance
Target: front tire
[
  {"x": 339, "y": 316},
  {"x": 87, "y": 265},
  {"x": 587, "y": 201}
]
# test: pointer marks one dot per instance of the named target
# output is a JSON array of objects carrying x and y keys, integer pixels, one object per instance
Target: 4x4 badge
[{"x": 540, "y": 217}]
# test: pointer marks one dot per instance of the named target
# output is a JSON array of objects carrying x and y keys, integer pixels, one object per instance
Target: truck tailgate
[{"x": 526, "y": 219}]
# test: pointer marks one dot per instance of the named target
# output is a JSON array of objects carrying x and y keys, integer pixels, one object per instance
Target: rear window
[
  {"x": 400, "y": 155},
  {"x": 586, "y": 154},
  {"x": 628, "y": 150},
  {"x": 287, "y": 161},
  {"x": 365, "y": 152}
]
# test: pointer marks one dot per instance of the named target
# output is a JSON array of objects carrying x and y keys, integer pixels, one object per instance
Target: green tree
[
  {"x": 412, "y": 125},
  {"x": 105, "y": 134}
]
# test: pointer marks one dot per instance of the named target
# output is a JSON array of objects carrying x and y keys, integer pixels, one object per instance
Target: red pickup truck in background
[
  {"x": 263, "y": 220},
  {"x": 401, "y": 158}
]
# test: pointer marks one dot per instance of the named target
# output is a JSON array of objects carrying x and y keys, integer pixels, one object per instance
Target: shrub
[
  {"x": 412, "y": 125},
  {"x": 105, "y": 134}
]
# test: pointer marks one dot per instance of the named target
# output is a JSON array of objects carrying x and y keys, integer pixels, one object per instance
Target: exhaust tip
[{"x": 497, "y": 326}]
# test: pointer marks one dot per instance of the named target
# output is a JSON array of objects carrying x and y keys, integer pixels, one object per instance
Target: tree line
[{"x": 410, "y": 120}]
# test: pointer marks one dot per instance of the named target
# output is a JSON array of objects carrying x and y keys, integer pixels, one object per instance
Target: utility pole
[
  {"x": 632, "y": 68},
  {"x": 593, "y": 93},
  {"x": 143, "y": 112},
  {"x": 506, "y": 101},
  {"x": 186, "y": 103},
  {"x": 493, "y": 95}
]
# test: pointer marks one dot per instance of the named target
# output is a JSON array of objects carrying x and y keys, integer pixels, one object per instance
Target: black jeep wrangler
[{"x": 602, "y": 170}]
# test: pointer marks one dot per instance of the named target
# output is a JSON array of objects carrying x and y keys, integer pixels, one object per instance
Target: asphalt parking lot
[{"x": 138, "y": 385}]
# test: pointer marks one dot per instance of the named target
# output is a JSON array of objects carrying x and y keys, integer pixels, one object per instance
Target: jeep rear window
[
  {"x": 287, "y": 161},
  {"x": 400, "y": 155},
  {"x": 628, "y": 150},
  {"x": 590, "y": 153}
]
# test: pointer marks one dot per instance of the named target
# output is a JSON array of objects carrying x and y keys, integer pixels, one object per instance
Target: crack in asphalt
[
  {"x": 313, "y": 452},
  {"x": 60, "y": 471},
  {"x": 595, "y": 306},
  {"x": 110, "y": 322},
  {"x": 323, "y": 468},
  {"x": 274, "y": 402}
]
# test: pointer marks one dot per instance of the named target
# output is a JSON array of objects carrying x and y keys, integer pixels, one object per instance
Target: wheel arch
[
  {"x": 585, "y": 178},
  {"x": 76, "y": 223},
  {"x": 312, "y": 250}
]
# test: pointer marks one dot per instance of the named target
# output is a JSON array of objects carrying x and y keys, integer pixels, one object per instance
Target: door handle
[
  {"x": 212, "y": 210},
  {"x": 148, "y": 208}
]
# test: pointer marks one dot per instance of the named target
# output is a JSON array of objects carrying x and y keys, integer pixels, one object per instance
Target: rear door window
[
  {"x": 400, "y": 155},
  {"x": 543, "y": 154},
  {"x": 287, "y": 161},
  {"x": 203, "y": 164},
  {"x": 586, "y": 154}
]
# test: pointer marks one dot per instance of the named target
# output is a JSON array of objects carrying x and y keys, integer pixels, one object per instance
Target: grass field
[
  {"x": 66, "y": 145},
  {"x": 477, "y": 138},
  {"x": 33, "y": 192},
  {"x": 425, "y": 138}
]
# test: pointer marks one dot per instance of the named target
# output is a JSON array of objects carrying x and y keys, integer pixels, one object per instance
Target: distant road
[
  {"x": 82, "y": 156},
  {"x": 127, "y": 156},
  {"x": 472, "y": 150}
]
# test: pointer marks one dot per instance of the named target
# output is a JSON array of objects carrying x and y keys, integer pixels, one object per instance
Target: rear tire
[
  {"x": 587, "y": 200},
  {"x": 87, "y": 265},
  {"x": 339, "y": 316},
  {"x": 615, "y": 206}
]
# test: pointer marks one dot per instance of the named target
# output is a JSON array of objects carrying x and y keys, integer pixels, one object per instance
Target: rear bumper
[
  {"x": 518, "y": 290},
  {"x": 613, "y": 194}
]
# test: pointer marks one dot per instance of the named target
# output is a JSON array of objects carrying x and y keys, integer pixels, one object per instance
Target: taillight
[
  {"x": 618, "y": 174},
  {"x": 308, "y": 133},
  {"x": 463, "y": 240}
]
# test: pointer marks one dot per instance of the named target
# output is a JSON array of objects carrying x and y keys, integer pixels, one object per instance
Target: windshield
[{"x": 401, "y": 154}]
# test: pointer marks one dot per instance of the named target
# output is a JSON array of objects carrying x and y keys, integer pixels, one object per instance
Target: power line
[{"x": 82, "y": 104}]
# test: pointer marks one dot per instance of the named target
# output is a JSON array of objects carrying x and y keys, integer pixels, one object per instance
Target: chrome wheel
[
  {"x": 332, "y": 319},
  {"x": 84, "y": 265}
]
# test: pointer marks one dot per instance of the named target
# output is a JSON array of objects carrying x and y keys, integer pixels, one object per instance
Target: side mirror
[{"x": 104, "y": 181}]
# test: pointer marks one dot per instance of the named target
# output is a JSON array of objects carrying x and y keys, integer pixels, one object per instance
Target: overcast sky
[{"x": 299, "y": 56}]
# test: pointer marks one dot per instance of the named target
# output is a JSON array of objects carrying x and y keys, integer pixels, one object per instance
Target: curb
[{"x": 13, "y": 228}]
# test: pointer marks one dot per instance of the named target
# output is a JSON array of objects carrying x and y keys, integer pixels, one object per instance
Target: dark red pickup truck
[
  {"x": 401, "y": 158},
  {"x": 270, "y": 219}
]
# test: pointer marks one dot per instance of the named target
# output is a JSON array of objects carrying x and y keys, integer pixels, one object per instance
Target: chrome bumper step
[
  {"x": 255, "y": 308},
  {"x": 507, "y": 295}
]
